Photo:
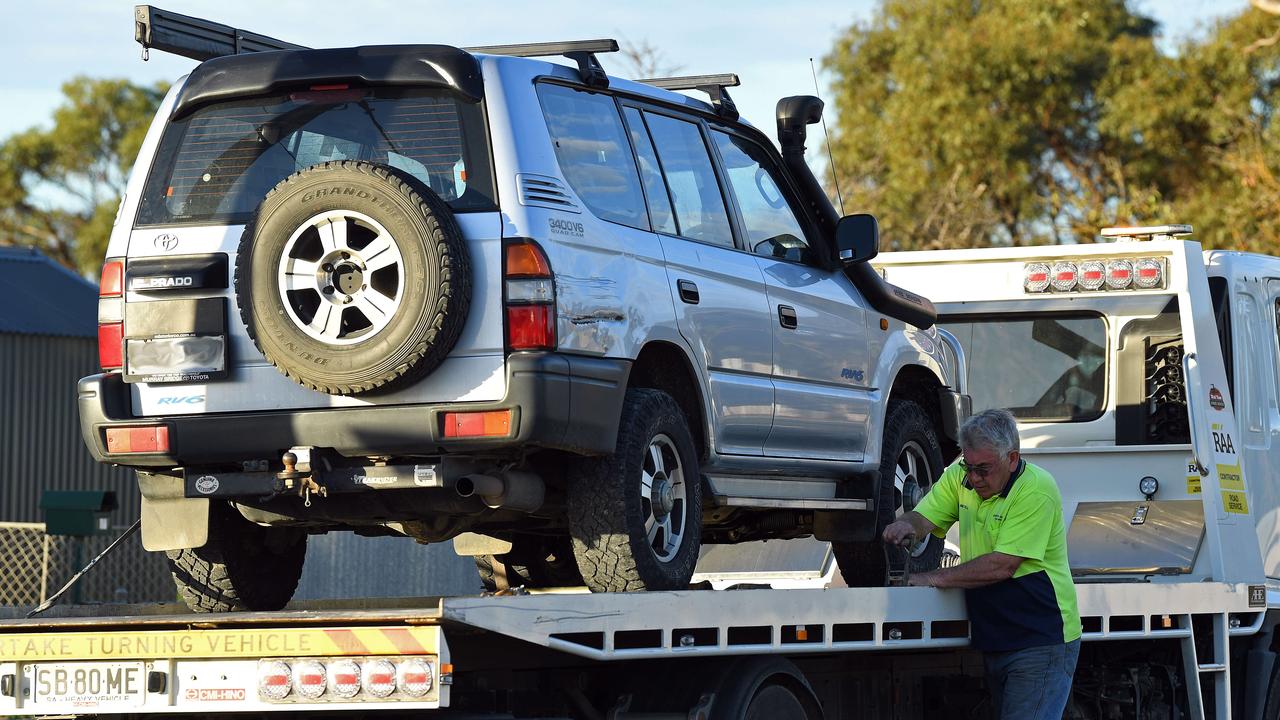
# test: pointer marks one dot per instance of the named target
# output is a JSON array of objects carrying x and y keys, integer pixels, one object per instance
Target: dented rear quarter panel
[{"x": 612, "y": 294}]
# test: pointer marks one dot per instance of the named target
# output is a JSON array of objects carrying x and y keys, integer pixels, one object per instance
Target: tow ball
[{"x": 302, "y": 482}]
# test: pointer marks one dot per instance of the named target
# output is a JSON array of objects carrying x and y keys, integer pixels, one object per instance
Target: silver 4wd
[{"x": 582, "y": 324}]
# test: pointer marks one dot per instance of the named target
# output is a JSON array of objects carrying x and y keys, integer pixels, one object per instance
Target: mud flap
[{"x": 170, "y": 520}]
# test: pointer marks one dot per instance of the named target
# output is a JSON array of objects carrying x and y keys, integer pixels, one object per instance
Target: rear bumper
[{"x": 564, "y": 402}]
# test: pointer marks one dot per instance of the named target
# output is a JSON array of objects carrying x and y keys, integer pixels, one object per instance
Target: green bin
[{"x": 77, "y": 512}]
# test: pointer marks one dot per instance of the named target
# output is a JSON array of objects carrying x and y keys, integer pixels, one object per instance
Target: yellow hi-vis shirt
[{"x": 1037, "y": 606}]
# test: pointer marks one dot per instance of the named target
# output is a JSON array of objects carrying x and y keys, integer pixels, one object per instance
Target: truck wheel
[
  {"x": 534, "y": 562},
  {"x": 353, "y": 277},
  {"x": 764, "y": 688},
  {"x": 911, "y": 461},
  {"x": 243, "y": 566},
  {"x": 636, "y": 516}
]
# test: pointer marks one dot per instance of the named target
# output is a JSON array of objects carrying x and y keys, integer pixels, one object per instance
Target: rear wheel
[
  {"x": 243, "y": 566},
  {"x": 636, "y": 516},
  {"x": 911, "y": 461}
]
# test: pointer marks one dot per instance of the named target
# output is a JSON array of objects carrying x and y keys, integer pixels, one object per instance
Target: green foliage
[
  {"x": 59, "y": 187},
  {"x": 966, "y": 123}
]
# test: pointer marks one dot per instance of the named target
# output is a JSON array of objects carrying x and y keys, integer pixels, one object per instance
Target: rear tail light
[
  {"x": 379, "y": 678},
  {"x": 1092, "y": 275},
  {"x": 1036, "y": 277},
  {"x": 1119, "y": 274},
  {"x": 310, "y": 679},
  {"x": 414, "y": 677},
  {"x": 1063, "y": 276},
  {"x": 1148, "y": 273},
  {"x": 111, "y": 345},
  {"x": 344, "y": 678},
  {"x": 111, "y": 316},
  {"x": 275, "y": 680},
  {"x": 148, "y": 439},
  {"x": 530, "y": 297}
]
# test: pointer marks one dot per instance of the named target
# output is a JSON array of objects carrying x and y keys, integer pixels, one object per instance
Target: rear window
[
  {"x": 217, "y": 164},
  {"x": 1044, "y": 368}
]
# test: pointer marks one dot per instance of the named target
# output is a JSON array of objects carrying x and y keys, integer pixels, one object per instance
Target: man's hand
[{"x": 899, "y": 533}]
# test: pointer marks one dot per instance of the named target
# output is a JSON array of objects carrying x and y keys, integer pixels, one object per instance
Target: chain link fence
[{"x": 34, "y": 565}]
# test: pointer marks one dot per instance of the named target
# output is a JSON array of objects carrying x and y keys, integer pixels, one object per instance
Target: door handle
[
  {"x": 787, "y": 316},
  {"x": 688, "y": 291}
]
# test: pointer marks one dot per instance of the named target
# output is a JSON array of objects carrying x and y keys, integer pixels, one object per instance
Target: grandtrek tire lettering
[{"x": 354, "y": 325}]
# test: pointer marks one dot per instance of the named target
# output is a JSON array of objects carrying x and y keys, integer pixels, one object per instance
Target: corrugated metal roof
[{"x": 43, "y": 298}]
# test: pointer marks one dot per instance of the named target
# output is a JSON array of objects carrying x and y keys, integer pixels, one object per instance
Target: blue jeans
[{"x": 1033, "y": 683}]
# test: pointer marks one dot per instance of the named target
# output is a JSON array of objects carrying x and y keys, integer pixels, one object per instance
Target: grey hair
[{"x": 994, "y": 429}]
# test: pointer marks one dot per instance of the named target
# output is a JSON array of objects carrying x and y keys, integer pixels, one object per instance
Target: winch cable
[{"x": 74, "y": 578}]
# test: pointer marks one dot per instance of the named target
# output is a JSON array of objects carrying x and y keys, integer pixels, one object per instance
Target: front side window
[
  {"x": 691, "y": 178},
  {"x": 218, "y": 163},
  {"x": 1047, "y": 368},
  {"x": 594, "y": 153},
  {"x": 771, "y": 227}
]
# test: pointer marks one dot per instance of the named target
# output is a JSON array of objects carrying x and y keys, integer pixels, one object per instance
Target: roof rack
[
  {"x": 196, "y": 38},
  {"x": 712, "y": 85},
  {"x": 580, "y": 51},
  {"x": 1152, "y": 232}
]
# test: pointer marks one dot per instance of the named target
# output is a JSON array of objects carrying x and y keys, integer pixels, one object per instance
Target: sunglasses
[{"x": 981, "y": 471}]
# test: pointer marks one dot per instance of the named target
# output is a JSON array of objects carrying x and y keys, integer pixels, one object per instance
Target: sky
[{"x": 767, "y": 43}]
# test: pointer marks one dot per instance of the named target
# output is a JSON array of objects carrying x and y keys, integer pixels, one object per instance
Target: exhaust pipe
[{"x": 512, "y": 490}]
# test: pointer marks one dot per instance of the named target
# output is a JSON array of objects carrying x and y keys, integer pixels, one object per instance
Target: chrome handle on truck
[{"x": 1191, "y": 415}]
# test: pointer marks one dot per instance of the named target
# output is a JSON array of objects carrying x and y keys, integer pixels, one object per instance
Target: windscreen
[
  {"x": 1042, "y": 368},
  {"x": 217, "y": 164}
]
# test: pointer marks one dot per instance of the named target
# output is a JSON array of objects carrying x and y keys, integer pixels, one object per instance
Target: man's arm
[
  {"x": 911, "y": 523},
  {"x": 983, "y": 570}
]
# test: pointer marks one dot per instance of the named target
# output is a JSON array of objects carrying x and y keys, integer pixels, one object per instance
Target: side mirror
[{"x": 857, "y": 238}]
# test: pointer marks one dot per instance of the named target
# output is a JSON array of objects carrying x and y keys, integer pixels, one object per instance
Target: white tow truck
[{"x": 1144, "y": 372}]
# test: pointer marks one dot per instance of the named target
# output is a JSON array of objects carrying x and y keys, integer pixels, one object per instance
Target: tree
[
  {"x": 646, "y": 61},
  {"x": 1006, "y": 122},
  {"x": 60, "y": 187}
]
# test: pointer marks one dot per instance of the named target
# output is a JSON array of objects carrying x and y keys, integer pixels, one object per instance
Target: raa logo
[{"x": 1222, "y": 443}]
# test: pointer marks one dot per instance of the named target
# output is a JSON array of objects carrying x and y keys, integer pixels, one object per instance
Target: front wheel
[
  {"x": 636, "y": 516},
  {"x": 910, "y": 462}
]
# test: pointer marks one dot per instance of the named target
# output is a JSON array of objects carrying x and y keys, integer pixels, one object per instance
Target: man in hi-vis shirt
[{"x": 1014, "y": 570}]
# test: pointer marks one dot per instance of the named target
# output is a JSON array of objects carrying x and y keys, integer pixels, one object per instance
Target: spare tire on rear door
[{"x": 353, "y": 277}]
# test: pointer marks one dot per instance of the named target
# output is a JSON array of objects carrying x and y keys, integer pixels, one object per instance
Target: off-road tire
[
  {"x": 863, "y": 564},
  {"x": 243, "y": 566},
  {"x": 606, "y": 515},
  {"x": 534, "y": 562},
  {"x": 435, "y": 279}
]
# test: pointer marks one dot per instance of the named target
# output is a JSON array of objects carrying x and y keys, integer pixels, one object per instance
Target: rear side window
[
  {"x": 594, "y": 154},
  {"x": 217, "y": 164},
  {"x": 695, "y": 192},
  {"x": 1046, "y": 368}
]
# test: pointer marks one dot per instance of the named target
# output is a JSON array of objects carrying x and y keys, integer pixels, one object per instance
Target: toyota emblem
[{"x": 166, "y": 242}]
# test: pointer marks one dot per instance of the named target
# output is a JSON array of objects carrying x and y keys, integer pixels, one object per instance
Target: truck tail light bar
[
  {"x": 1071, "y": 276},
  {"x": 319, "y": 680}
]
